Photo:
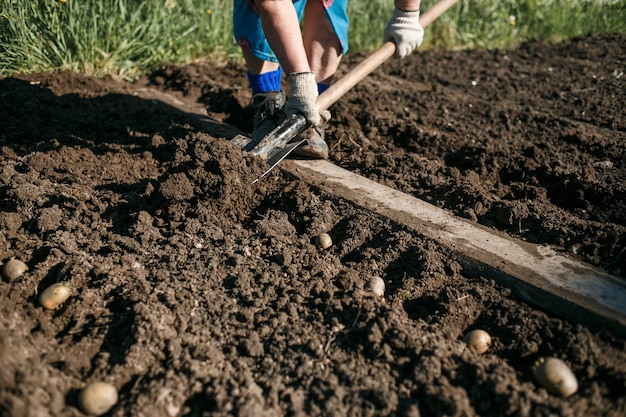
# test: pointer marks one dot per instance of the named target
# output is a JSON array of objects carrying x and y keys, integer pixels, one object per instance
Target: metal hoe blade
[
  {"x": 280, "y": 154},
  {"x": 280, "y": 136}
]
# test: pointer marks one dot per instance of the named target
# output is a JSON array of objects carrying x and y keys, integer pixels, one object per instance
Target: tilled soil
[{"x": 198, "y": 293}]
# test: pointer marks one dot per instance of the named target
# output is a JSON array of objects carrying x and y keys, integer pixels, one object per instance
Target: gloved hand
[
  {"x": 302, "y": 96},
  {"x": 405, "y": 30}
]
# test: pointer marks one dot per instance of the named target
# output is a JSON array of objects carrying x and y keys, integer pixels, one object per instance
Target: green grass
[
  {"x": 128, "y": 37},
  {"x": 122, "y": 37}
]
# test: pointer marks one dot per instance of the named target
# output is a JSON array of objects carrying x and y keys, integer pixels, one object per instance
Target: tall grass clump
[
  {"x": 494, "y": 23},
  {"x": 124, "y": 37},
  {"x": 504, "y": 24},
  {"x": 129, "y": 37}
]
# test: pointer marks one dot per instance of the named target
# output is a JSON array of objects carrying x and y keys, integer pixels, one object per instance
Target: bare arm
[
  {"x": 407, "y": 5},
  {"x": 282, "y": 30}
]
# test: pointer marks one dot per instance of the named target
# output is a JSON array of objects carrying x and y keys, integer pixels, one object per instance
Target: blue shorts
[{"x": 249, "y": 32}]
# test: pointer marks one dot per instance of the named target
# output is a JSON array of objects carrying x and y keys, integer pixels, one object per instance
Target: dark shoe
[
  {"x": 268, "y": 113},
  {"x": 315, "y": 147}
]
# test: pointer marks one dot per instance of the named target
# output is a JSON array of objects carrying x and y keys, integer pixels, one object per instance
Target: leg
[
  {"x": 263, "y": 70},
  {"x": 257, "y": 65},
  {"x": 248, "y": 31},
  {"x": 323, "y": 48}
]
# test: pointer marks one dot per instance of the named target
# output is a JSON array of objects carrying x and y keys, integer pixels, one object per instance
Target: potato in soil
[
  {"x": 478, "y": 340},
  {"x": 54, "y": 296},
  {"x": 14, "y": 268},
  {"x": 97, "y": 398},
  {"x": 324, "y": 241},
  {"x": 377, "y": 286},
  {"x": 554, "y": 375}
]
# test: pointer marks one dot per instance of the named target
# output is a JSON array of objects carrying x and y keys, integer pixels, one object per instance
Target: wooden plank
[{"x": 538, "y": 274}]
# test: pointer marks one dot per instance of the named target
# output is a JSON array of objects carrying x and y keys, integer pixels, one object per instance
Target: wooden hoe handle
[{"x": 382, "y": 54}]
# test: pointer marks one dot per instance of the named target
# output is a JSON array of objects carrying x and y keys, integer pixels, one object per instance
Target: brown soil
[{"x": 198, "y": 294}]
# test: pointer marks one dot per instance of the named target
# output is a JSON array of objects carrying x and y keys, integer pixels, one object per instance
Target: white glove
[
  {"x": 302, "y": 96},
  {"x": 405, "y": 31}
]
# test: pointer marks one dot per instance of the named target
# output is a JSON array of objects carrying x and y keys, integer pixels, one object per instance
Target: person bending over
[{"x": 304, "y": 39}]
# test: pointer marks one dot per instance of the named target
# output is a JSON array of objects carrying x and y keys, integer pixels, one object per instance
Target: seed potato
[
  {"x": 97, "y": 398},
  {"x": 554, "y": 375},
  {"x": 324, "y": 241},
  {"x": 478, "y": 340},
  {"x": 377, "y": 286},
  {"x": 54, "y": 296},
  {"x": 13, "y": 269}
]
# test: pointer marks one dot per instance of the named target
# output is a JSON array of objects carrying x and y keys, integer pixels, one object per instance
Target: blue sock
[
  {"x": 268, "y": 81},
  {"x": 322, "y": 87}
]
